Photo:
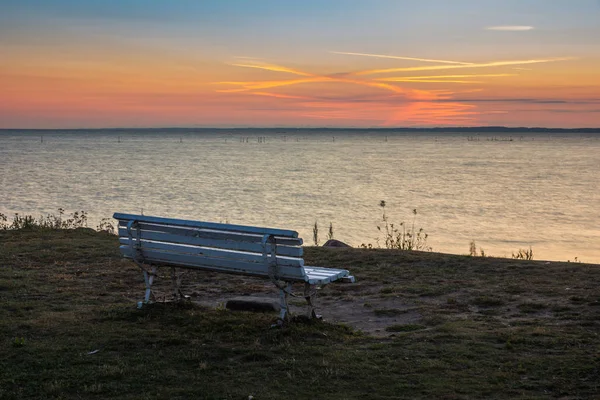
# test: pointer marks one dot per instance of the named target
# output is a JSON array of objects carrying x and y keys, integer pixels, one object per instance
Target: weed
[
  {"x": 473, "y": 250},
  {"x": 106, "y": 225},
  {"x": 403, "y": 238},
  {"x": 18, "y": 342},
  {"x": 316, "y": 234},
  {"x": 3, "y": 222},
  {"x": 330, "y": 233},
  {"x": 49, "y": 221},
  {"x": 524, "y": 254},
  {"x": 78, "y": 219}
]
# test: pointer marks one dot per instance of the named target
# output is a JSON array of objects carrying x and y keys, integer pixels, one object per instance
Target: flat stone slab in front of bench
[{"x": 252, "y": 303}]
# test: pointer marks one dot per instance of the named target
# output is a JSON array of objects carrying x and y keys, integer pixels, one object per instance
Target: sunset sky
[{"x": 309, "y": 63}]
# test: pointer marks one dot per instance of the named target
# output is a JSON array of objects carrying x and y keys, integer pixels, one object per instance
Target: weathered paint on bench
[{"x": 275, "y": 254}]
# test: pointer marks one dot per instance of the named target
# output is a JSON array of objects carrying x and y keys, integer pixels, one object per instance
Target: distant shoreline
[{"x": 478, "y": 129}]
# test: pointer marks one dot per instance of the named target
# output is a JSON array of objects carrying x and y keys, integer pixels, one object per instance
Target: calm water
[{"x": 538, "y": 190}]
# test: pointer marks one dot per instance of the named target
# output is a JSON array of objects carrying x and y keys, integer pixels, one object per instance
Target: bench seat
[
  {"x": 322, "y": 276},
  {"x": 274, "y": 254}
]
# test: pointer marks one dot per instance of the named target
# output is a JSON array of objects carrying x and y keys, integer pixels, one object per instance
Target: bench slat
[
  {"x": 224, "y": 255},
  {"x": 209, "y": 233},
  {"x": 318, "y": 275},
  {"x": 215, "y": 264},
  {"x": 207, "y": 225},
  {"x": 228, "y": 244}
]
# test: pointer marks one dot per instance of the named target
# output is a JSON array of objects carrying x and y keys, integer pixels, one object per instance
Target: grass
[
  {"x": 404, "y": 328},
  {"x": 69, "y": 329}
]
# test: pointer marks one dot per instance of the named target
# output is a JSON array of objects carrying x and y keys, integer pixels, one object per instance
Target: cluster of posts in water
[
  {"x": 259, "y": 139},
  {"x": 493, "y": 139}
]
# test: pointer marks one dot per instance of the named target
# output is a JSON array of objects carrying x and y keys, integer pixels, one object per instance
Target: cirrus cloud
[{"x": 513, "y": 28}]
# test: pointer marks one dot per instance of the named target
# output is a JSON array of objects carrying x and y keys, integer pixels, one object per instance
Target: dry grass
[{"x": 450, "y": 327}]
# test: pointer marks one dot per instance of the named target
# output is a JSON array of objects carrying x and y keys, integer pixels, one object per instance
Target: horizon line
[{"x": 306, "y": 128}]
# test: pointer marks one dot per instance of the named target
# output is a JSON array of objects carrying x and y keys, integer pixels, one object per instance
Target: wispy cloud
[
  {"x": 248, "y": 58},
  {"x": 514, "y": 28},
  {"x": 409, "y": 80},
  {"x": 275, "y": 68},
  {"x": 440, "y": 78},
  {"x": 400, "y": 58},
  {"x": 313, "y": 78},
  {"x": 268, "y": 84},
  {"x": 281, "y": 96},
  {"x": 442, "y": 67}
]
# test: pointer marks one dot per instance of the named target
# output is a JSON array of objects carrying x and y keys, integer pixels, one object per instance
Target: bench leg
[
  {"x": 284, "y": 314},
  {"x": 149, "y": 280},
  {"x": 176, "y": 280},
  {"x": 310, "y": 293}
]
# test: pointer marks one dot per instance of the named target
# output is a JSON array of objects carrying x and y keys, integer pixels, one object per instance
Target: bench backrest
[{"x": 207, "y": 245}]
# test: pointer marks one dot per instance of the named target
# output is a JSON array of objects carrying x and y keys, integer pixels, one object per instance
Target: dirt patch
[{"x": 357, "y": 307}]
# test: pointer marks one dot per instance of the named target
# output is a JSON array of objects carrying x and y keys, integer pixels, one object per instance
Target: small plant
[
  {"x": 473, "y": 250},
  {"x": 330, "y": 233},
  {"x": 24, "y": 222},
  {"x": 18, "y": 342},
  {"x": 106, "y": 225},
  {"x": 49, "y": 221},
  {"x": 524, "y": 254},
  {"x": 316, "y": 234},
  {"x": 3, "y": 222},
  {"x": 403, "y": 238}
]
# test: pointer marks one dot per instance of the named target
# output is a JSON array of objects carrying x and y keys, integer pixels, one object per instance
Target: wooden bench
[{"x": 274, "y": 254}]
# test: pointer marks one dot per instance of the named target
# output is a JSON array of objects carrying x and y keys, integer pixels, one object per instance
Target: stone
[
  {"x": 335, "y": 243},
  {"x": 252, "y": 303}
]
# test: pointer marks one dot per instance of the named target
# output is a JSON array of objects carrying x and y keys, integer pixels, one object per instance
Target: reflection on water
[{"x": 535, "y": 190}]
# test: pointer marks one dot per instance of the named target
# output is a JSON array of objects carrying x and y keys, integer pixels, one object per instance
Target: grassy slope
[{"x": 490, "y": 328}]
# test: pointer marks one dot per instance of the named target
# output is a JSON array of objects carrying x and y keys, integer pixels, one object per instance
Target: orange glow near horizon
[
  {"x": 255, "y": 92},
  {"x": 408, "y": 102}
]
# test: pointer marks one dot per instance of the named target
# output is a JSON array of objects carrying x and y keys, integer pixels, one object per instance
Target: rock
[
  {"x": 252, "y": 303},
  {"x": 335, "y": 243}
]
